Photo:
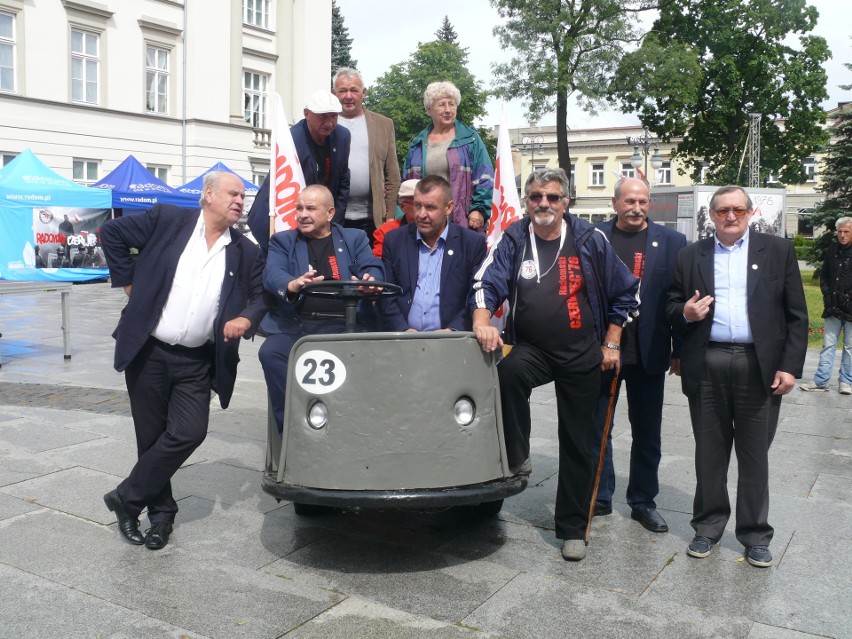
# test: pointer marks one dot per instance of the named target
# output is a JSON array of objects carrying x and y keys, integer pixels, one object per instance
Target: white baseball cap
[{"x": 323, "y": 102}]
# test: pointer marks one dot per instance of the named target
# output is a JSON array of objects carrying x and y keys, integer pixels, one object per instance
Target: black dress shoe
[
  {"x": 128, "y": 527},
  {"x": 650, "y": 519},
  {"x": 601, "y": 510},
  {"x": 157, "y": 536}
]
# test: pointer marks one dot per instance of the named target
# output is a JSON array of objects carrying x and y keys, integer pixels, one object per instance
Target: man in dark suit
[
  {"x": 434, "y": 263},
  {"x": 315, "y": 251},
  {"x": 649, "y": 250},
  {"x": 194, "y": 290},
  {"x": 323, "y": 150},
  {"x": 737, "y": 299}
]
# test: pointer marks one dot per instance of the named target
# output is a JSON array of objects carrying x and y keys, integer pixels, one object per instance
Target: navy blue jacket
[
  {"x": 655, "y": 334},
  {"x": 161, "y": 235},
  {"x": 613, "y": 291},
  {"x": 338, "y": 179},
  {"x": 288, "y": 259},
  {"x": 463, "y": 253}
]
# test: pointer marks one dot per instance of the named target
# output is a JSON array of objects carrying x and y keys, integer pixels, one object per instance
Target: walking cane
[{"x": 607, "y": 426}]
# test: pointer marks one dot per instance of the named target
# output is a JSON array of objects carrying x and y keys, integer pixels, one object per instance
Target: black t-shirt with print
[
  {"x": 553, "y": 311},
  {"x": 322, "y": 259}
]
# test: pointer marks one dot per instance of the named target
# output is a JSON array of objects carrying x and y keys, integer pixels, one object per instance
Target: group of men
[{"x": 574, "y": 318}]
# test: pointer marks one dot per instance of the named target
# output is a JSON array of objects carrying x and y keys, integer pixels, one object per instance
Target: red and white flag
[
  {"x": 286, "y": 179},
  {"x": 505, "y": 203}
]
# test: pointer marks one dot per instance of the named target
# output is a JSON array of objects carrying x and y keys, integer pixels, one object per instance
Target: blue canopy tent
[
  {"x": 134, "y": 188},
  {"x": 49, "y": 225},
  {"x": 194, "y": 186}
]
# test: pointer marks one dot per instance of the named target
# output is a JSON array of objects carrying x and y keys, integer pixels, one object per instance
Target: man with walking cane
[
  {"x": 570, "y": 295},
  {"x": 650, "y": 251}
]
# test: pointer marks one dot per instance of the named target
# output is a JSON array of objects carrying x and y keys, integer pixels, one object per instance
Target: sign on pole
[{"x": 285, "y": 173}]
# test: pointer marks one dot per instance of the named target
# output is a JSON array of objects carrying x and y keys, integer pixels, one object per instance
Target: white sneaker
[
  {"x": 845, "y": 389},
  {"x": 813, "y": 387}
]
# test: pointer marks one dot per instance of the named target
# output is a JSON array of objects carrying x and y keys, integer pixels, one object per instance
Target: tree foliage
[
  {"x": 564, "y": 48},
  {"x": 447, "y": 33},
  {"x": 341, "y": 43},
  {"x": 707, "y": 64},
  {"x": 398, "y": 94},
  {"x": 836, "y": 183}
]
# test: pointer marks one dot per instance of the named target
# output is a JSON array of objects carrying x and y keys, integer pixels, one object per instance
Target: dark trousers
[
  {"x": 366, "y": 224},
  {"x": 169, "y": 389},
  {"x": 525, "y": 368},
  {"x": 274, "y": 356},
  {"x": 645, "y": 413},
  {"x": 733, "y": 408}
]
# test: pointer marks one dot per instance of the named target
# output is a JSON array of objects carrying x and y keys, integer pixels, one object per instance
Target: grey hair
[
  {"x": 347, "y": 72},
  {"x": 437, "y": 90},
  {"x": 730, "y": 189},
  {"x": 545, "y": 176},
  {"x": 843, "y": 221},
  {"x": 210, "y": 179},
  {"x": 616, "y": 193}
]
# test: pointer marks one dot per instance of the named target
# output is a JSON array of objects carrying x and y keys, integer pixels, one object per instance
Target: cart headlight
[
  {"x": 317, "y": 415},
  {"x": 464, "y": 411}
]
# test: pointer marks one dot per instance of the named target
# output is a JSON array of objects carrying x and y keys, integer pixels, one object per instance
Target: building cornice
[
  {"x": 152, "y": 24},
  {"x": 86, "y": 6}
]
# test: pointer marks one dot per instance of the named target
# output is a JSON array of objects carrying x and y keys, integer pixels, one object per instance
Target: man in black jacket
[
  {"x": 194, "y": 289},
  {"x": 836, "y": 284}
]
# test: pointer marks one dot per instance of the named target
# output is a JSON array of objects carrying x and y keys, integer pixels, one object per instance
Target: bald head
[{"x": 631, "y": 201}]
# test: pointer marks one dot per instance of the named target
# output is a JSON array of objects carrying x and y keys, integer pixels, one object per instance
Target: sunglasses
[
  {"x": 552, "y": 198},
  {"x": 739, "y": 211}
]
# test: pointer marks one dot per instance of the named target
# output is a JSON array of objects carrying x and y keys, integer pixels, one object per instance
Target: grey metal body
[{"x": 391, "y": 438}]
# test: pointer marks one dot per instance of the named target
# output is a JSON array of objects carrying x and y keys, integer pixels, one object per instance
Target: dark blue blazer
[
  {"x": 463, "y": 254},
  {"x": 160, "y": 234},
  {"x": 657, "y": 342},
  {"x": 338, "y": 182},
  {"x": 288, "y": 259}
]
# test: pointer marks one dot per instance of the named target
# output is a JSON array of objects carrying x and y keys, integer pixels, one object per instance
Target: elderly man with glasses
[
  {"x": 738, "y": 302},
  {"x": 570, "y": 296}
]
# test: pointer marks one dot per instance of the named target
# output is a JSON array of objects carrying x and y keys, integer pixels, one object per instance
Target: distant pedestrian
[{"x": 836, "y": 283}]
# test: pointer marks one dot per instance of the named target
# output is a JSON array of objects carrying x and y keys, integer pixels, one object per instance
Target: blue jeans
[{"x": 833, "y": 326}]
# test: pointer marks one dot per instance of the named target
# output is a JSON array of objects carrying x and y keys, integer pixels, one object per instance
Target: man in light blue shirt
[
  {"x": 737, "y": 300},
  {"x": 434, "y": 262}
]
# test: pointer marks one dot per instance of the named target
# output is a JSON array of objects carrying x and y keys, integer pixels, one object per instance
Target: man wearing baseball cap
[
  {"x": 404, "y": 215},
  {"x": 323, "y": 150}
]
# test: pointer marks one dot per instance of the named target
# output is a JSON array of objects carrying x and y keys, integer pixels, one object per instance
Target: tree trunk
[{"x": 562, "y": 150}]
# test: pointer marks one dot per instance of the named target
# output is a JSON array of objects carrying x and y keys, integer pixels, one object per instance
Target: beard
[{"x": 544, "y": 217}]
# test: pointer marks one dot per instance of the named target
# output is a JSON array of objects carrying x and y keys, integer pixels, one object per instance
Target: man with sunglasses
[
  {"x": 569, "y": 297},
  {"x": 737, "y": 300}
]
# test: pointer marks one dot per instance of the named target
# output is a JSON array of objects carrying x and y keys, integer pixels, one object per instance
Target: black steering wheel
[{"x": 351, "y": 291}]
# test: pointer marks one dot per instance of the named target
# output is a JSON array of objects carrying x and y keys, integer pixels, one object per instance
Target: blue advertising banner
[{"x": 49, "y": 225}]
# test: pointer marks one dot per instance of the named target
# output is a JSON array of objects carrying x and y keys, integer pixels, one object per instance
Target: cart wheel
[
  {"x": 308, "y": 510},
  {"x": 489, "y": 508}
]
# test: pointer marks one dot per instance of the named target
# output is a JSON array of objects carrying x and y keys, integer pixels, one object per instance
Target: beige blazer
[{"x": 384, "y": 167}]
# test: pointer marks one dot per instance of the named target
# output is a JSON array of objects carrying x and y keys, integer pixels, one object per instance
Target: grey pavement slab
[{"x": 241, "y": 564}]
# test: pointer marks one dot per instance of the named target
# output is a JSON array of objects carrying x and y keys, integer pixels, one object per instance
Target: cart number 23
[{"x": 320, "y": 372}]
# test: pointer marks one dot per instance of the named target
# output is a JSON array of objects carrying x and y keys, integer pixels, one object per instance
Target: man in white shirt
[
  {"x": 194, "y": 289},
  {"x": 373, "y": 164}
]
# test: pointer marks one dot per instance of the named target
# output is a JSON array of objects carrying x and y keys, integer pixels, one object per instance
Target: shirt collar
[
  {"x": 442, "y": 236},
  {"x": 741, "y": 243}
]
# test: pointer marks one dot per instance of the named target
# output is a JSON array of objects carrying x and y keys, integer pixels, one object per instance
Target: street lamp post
[
  {"x": 644, "y": 142},
  {"x": 529, "y": 144}
]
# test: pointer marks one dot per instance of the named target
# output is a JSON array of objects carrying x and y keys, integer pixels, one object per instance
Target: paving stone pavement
[{"x": 241, "y": 564}]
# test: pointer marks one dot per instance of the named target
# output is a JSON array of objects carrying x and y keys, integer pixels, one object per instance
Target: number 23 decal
[{"x": 320, "y": 372}]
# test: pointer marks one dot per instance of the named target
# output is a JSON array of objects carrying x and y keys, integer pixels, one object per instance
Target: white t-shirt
[{"x": 359, "y": 204}]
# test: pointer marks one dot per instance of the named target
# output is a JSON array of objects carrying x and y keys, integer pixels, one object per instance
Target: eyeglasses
[
  {"x": 739, "y": 211},
  {"x": 552, "y": 198}
]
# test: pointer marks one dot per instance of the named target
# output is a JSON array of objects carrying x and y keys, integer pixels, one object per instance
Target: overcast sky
[{"x": 386, "y": 32}]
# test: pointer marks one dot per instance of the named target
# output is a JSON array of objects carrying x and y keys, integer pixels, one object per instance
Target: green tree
[
  {"x": 341, "y": 43},
  {"x": 836, "y": 183},
  {"x": 707, "y": 64},
  {"x": 564, "y": 48},
  {"x": 447, "y": 33},
  {"x": 398, "y": 94}
]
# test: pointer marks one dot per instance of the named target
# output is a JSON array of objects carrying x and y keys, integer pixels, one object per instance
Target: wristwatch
[{"x": 612, "y": 346}]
